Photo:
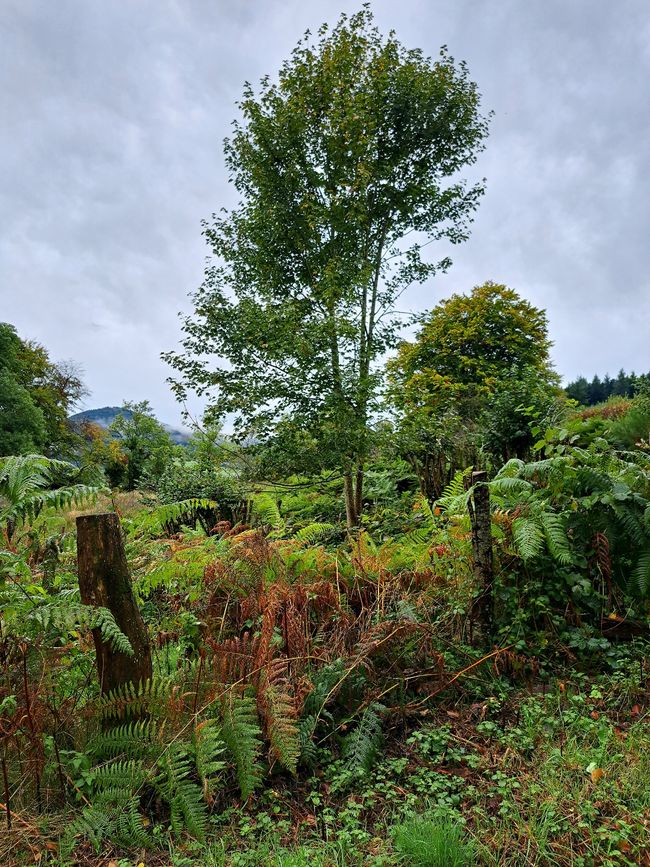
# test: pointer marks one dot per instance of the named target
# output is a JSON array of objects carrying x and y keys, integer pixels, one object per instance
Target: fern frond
[
  {"x": 630, "y": 522},
  {"x": 312, "y": 533},
  {"x": 31, "y": 483},
  {"x": 362, "y": 746},
  {"x": 59, "y": 499},
  {"x": 420, "y": 536},
  {"x": 593, "y": 481},
  {"x": 281, "y": 726},
  {"x": 421, "y": 504},
  {"x": 208, "y": 747},
  {"x": 308, "y": 750},
  {"x": 509, "y": 485},
  {"x": 556, "y": 538},
  {"x": 456, "y": 505},
  {"x": 265, "y": 512},
  {"x": 528, "y": 537},
  {"x": 132, "y": 739},
  {"x": 456, "y": 486},
  {"x": 171, "y": 517},
  {"x": 114, "y": 816},
  {"x": 128, "y": 775},
  {"x": 129, "y": 827},
  {"x": 242, "y": 735},
  {"x": 325, "y": 685},
  {"x": 135, "y": 699},
  {"x": 104, "y": 620},
  {"x": 95, "y": 822},
  {"x": 641, "y": 575},
  {"x": 541, "y": 470},
  {"x": 185, "y": 798},
  {"x": 511, "y": 469}
]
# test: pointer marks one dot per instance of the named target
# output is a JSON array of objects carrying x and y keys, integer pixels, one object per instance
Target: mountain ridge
[{"x": 104, "y": 416}]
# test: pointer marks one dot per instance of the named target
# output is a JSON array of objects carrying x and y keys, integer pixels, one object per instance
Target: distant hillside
[{"x": 107, "y": 414}]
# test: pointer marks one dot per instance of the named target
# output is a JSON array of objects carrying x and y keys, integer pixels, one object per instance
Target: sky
[{"x": 112, "y": 119}]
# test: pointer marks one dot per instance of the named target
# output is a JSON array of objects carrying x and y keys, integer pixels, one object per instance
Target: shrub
[{"x": 187, "y": 480}]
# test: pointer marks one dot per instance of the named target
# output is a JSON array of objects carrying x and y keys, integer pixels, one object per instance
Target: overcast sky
[{"x": 112, "y": 116}]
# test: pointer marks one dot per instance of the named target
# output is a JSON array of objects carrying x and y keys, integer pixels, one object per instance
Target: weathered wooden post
[
  {"x": 104, "y": 581},
  {"x": 479, "y": 511}
]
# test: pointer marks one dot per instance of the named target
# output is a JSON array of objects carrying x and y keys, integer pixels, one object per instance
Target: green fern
[
  {"x": 541, "y": 471},
  {"x": 362, "y": 746},
  {"x": 646, "y": 519},
  {"x": 641, "y": 575},
  {"x": 169, "y": 518},
  {"x": 133, "y": 739},
  {"x": 509, "y": 485},
  {"x": 454, "y": 504},
  {"x": 242, "y": 735},
  {"x": 96, "y": 823},
  {"x": 170, "y": 771},
  {"x": 514, "y": 467},
  {"x": 31, "y": 483},
  {"x": 185, "y": 797},
  {"x": 121, "y": 774},
  {"x": 104, "y": 620},
  {"x": 456, "y": 487},
  {"x": 422, "y": 535},
  {"x": 592, "y": 480},
  {"x": 114, "y": 813},
  {"x": 283, "y": 732},
  {"x": 114, "y": 817},
  {"x": 325, "y": 684},
  {"x": 208, "y": 746},
  {"x": 559, "y": 502},
  {"x": 528, "y": 537},
  {"x": 129, "y": 827},
  {"x": 65, "y": 613},
  {"x": 266, "y": 512},
  {"x": 135, "y": 699},
  {"x": 312, "y": 533},
  {"x": 556, "y": 538},
  {"x": 630, "y": 521},
  {"x": 306, "y": 731}
]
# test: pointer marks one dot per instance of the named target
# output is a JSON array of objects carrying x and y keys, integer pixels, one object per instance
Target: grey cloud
[{"x": 113, "y": 116}]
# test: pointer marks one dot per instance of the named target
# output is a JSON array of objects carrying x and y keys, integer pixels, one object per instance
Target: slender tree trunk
[
  {"x": 353, "y": 493},
  {"x": 351, "y": 515},
  {"x": 358, "y": 493},
  {"x": 482, "y": 549},
  {"x": 368, "y": 308},
  {"x": 104, "y": 581}
]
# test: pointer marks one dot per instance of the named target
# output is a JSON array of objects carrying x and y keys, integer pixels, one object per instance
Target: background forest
[{"x": 387, "y": 603}]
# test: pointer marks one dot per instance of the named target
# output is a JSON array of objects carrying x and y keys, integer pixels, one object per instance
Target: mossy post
[
  {"x": 104, "y": 581},
  {"x": 479, "y": 510}
]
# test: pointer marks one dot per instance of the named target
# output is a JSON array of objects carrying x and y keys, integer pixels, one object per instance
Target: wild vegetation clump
[{"x": 338, "y": 698}]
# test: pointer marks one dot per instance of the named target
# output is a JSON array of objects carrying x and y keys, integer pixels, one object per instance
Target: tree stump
[{"x": 104, "y": 581}]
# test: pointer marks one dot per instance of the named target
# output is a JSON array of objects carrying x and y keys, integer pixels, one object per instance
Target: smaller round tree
[{"x": 471, "y": 352}]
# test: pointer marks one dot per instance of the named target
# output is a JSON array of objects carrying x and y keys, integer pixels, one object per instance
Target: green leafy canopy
[{"x": 356, "y": 147}]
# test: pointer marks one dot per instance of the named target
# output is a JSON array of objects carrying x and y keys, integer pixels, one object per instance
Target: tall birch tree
[{"x": 347, "y": 166}]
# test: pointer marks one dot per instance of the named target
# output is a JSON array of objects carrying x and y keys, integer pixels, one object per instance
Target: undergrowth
[{"x": 318, "y": 702}]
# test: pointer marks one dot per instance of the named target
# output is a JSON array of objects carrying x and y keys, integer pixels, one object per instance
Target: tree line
[{"x": 599, "y": 390}]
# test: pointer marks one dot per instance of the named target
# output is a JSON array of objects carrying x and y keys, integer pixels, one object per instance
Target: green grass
[
  {"x": 580, "y": 797},
  {"x": 431, "y": 842}
]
